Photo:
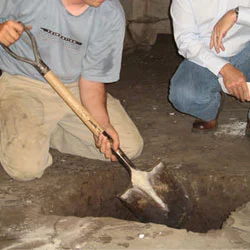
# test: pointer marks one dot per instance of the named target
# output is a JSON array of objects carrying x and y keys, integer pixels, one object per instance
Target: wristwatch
[{"x": 236, "y": 12}]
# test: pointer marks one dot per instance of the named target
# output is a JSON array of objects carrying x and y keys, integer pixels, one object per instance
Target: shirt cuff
[
  {"x": 244, "y": 16},
  {"x": 215, "y": 65}
]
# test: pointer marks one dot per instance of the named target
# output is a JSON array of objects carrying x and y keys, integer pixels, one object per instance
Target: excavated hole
[{"x": 95, "y": 194}]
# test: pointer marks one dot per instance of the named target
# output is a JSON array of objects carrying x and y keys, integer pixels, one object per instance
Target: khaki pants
[{"x": 34, "y": 118}]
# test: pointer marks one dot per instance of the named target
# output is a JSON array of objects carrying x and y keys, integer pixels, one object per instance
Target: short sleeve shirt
[{"x": 88, "y": 45}]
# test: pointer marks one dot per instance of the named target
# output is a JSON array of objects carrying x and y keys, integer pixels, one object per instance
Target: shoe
[
  {"x": 203, "y": 126},
  {"x": 247, "y": 131}
]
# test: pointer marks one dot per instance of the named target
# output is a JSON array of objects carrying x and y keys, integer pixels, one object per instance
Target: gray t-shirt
[{"x": 89, "y": 44}]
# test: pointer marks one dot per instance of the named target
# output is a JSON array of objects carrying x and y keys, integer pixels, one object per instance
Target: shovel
[{"x": 141, "y": 198}]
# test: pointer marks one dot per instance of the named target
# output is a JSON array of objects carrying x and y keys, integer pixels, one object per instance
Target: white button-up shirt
[{"x": 193, "y": 23}]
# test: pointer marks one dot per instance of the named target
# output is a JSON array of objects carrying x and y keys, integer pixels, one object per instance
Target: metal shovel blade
[{"x": 168, "y": 204}]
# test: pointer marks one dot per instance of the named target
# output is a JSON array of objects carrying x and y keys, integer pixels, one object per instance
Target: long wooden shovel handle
[
  {"x": 85, "y": 116},
  {"x": 73, "y": 103}
]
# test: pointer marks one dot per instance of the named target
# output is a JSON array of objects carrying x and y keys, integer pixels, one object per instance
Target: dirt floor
[{"x": 211, "y": 170}]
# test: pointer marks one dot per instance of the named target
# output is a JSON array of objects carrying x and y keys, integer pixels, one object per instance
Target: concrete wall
[{"x": 146, "y": 19}]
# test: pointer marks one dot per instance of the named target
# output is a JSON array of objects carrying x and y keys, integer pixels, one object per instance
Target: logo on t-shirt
[{"x": 68, "y": 42}]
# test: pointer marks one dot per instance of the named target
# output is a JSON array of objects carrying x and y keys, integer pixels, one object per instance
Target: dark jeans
[{"x": 195, "y": 90}]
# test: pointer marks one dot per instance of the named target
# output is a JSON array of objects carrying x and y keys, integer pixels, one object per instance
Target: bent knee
[
  {"x": 182, "y": 96},
  {"x": 134, "y": 148},
  {"x": 26, "y": 170}
]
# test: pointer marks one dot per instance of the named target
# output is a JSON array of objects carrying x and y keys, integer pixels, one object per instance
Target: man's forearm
[{"x": 94, "y": 98}]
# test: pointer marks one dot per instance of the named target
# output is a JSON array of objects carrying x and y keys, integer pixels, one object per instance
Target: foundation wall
[{"x": 145, "y": 20}]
